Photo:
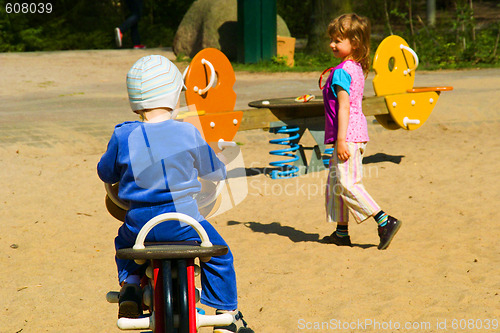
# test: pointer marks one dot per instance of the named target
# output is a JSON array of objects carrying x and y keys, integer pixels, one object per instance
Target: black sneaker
[
  {"x": 387, "y": 232},
  {"x": 335, "y": 239},
  {"x": 237, "y": 326},
  {"x": 130, "y": 301}
]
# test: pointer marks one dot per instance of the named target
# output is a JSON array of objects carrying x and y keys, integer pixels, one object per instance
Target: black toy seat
[{"x": 173, "y": 250}]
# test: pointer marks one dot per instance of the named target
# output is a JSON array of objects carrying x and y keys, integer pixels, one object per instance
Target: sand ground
[{"x": 56, "y": 237}]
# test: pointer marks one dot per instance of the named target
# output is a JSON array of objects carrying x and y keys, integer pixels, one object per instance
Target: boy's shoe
[
  {"x": 118, "y": 37},
  {"x": 238, "y": 325},
  {"x": 335, "y": 239},
  {"x": 130, "y": 301},
  {"x": 387, "y": 232},
  {"x": 139, "y": 47}
]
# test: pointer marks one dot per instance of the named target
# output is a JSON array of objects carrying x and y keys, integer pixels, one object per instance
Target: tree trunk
[
  {"x": 412, "y": 32},
  {"x": 387, "y": 20},
  {"x": 431, "y": 12},
  {"x": 496, "y": 43},
  {"x": 323, "y": 13},
  {"x": 472, "y": 21}
]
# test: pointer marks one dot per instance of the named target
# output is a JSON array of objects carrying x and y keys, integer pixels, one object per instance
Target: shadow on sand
[{"x": 291, "y": 233}]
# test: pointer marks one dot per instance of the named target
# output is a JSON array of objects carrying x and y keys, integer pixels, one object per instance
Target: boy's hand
[{"x": 342, "y": 150}]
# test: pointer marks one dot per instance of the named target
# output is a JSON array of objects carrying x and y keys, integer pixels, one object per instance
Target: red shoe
[
  {"x": 140, "y": 46},
  {"x": 118, "y": 37}
]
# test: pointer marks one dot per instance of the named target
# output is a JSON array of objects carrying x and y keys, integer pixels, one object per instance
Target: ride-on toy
[{"x": 169, "y": 291}]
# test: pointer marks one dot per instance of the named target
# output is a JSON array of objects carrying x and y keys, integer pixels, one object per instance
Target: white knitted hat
[{"x": 153, "y": 82}]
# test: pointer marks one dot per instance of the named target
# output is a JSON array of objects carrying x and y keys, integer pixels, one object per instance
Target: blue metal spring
[
  {"x": 287, "y": 170},
  {"x": 328, "y": 151}
]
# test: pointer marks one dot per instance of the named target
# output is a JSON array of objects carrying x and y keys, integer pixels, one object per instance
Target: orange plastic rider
[{"x": 209, "y": 82}]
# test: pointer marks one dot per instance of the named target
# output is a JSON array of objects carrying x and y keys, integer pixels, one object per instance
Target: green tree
[
  {"x": 86, "y": 24},
  {"x": 323, "y": 12}
]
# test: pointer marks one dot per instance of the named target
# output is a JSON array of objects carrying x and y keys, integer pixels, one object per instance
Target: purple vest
[{"x": 357, "y": 130}]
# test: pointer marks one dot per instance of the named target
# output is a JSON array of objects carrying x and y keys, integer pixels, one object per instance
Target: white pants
[{"x": 345, "y": 192}]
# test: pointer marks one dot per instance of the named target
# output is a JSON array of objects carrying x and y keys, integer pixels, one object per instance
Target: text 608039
[{"x": 28, "y": 8}]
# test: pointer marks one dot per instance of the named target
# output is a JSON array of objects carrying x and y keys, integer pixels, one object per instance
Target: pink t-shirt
[{"x": 349, "y": 75}]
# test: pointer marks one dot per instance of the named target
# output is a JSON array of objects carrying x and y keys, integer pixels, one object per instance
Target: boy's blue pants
[{"x": 218, "y": 279}]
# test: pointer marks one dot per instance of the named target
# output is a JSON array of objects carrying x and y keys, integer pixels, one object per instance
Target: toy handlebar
[{"x": 141, "y": 237}]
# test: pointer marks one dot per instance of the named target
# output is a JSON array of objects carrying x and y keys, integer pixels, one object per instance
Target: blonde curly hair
[{"x": 357, "y": 29}]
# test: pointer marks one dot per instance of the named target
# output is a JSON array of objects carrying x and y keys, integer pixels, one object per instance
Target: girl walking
[{"x": 346, "y": 129}]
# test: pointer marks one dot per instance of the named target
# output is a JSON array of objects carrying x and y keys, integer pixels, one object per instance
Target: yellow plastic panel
[
  {"x": 390, "y": 63},
  {"x": 406, "y": 109}
]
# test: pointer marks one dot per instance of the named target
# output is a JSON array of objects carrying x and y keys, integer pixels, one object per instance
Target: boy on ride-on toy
[{"x": 157, "y": 162}]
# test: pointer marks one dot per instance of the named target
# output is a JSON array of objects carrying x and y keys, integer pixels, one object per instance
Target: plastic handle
[
  {"x": 223, "y": 144},
  {"x": 141, "y": 237},
  {"x": 407, "y": 121},
  {"x": 212, "y": 78},
  {"x": 406, "y": 72}
]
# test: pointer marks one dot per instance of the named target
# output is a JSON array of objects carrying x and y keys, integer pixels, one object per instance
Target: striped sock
[
  {"x": 342, "y": 230},
  {"x": 381, "y": 218}
]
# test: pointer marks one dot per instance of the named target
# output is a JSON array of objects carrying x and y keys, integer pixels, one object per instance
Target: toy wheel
[
  {"x": 162, "y": 304},
  {"x": 182, "y": 283},
  {"x": 168, "y": 311}
]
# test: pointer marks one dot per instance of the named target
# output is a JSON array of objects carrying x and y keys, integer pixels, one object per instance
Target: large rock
[{"x": 213, "y": 23}]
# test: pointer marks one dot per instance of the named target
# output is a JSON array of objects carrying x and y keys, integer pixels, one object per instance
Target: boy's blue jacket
[{"x": 159, "y": 163}]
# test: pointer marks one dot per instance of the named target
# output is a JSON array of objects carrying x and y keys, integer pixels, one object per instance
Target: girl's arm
[{"x": 343, "y": 115}]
